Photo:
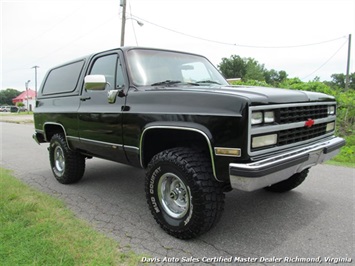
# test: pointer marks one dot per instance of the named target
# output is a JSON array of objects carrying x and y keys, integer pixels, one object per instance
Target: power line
[
  {"x": 325, "y": 61},
  {"x": 134, "y": 31},
  {"x": 256, "y": 46},
  {"x": 35, "y": 38},
  {"x": 85, "y": 34},
  {"x": 240, "y": 45}
]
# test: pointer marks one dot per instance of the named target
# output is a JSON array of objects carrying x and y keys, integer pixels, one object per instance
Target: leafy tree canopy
[
  {"x": 338, "y": 81},
  {"x": 250, "y": 69},
  {"x": 7, "y": 95}
]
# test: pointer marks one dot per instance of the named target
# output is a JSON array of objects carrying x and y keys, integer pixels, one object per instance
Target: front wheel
[
  {"x": 182, "y": 193},
  {"x": 67, "y": 166}
]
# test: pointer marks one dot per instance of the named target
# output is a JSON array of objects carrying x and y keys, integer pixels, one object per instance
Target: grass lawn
[{"x": 37, "y": 229}]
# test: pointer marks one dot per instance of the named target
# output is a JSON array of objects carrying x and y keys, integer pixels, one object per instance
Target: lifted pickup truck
[{"x": 173, "y": 114}]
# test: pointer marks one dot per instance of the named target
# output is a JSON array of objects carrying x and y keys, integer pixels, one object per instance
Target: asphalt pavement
[{"x": 313, "y": 223}]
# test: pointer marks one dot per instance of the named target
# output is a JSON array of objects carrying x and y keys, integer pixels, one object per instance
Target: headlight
[
  {"x": 269, "y": 117},
  {"x": 331, "y": 110},
  {"x": 265, "y": 140},
  {"x": 256, "y": 118},
  {"x": 260, "y": 117},
  {"x": 330, "y": 127}
]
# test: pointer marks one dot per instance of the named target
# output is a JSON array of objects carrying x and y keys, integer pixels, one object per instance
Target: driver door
[{"x": 100, "y": 122}]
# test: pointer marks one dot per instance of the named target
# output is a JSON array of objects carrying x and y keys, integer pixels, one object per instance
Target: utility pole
[
  {"x": 123, "y": 5},
  {"x": 26, "y": 85},
  {"x": 347, "y": 80},
  {"x": 35, "y": 67}
]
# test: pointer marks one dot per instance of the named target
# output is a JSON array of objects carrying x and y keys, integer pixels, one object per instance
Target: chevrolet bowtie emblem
[{"x": 309, "y": 123}]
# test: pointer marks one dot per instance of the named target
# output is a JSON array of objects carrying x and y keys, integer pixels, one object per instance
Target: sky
[{"x": 305, "y": 38}]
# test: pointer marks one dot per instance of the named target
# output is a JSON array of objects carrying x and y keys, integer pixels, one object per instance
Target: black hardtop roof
[
  {"x": 128, "y": 48},
  {"x": 124, "y": 49}
]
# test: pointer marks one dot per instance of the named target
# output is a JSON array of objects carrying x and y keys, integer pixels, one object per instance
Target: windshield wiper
[
  {"x": 209, "y": 81},
  {"x": 172, "y": 82},
  {"x": 166, "y": 82}
]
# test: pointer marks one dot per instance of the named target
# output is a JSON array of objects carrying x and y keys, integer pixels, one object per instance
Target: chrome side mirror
[{"x": 95, "y": 82}]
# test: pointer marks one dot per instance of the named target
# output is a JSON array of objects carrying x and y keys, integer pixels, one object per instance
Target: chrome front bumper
[{"x": 263, "y": 173}]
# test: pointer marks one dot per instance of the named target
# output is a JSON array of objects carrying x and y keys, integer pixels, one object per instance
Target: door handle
[{"x": 85, "y": 98}]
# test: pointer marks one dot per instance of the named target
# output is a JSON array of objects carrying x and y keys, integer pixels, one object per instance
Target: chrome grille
[
  {"x": 293, "y": 125},
  {"x": 294, "y": 135},
  {"x": 302, "y": 113}
]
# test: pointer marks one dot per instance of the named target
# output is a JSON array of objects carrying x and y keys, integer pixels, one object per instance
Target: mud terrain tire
[
  {"x": 182, "y": 193},
  {"x": 67, "y": 166}
]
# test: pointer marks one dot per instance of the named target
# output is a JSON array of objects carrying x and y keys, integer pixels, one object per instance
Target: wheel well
[
  {"x": 51, "y": 129},
  {"x": 157, "y": 140}
]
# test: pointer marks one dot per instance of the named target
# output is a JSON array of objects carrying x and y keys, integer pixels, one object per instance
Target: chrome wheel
[
  {"x": 67, "y": 165},
  {"x": 59, "y": 160},
  {"x": 182, "y": 193},
  {"x": 173, "y": 195}
]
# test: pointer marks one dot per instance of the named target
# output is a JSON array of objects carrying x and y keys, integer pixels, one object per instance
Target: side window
[
  {"x": 106, "y": 65},
  {"x": 63, "y": 79}
]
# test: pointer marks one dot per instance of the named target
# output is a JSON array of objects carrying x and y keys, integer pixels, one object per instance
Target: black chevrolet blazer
[{"x": 173, "y": 114}]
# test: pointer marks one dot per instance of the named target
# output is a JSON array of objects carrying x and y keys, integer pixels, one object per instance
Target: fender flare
[
  {"x": 57, "y": 125},
  {"x": 193, "y": 127}
]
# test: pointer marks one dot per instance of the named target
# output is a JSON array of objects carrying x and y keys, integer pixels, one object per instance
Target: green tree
[
  {"x": 250, "y": 69},
  {"x": 338, "y": 81},
  {"x": 274, "y": 78},
  {"x": 244, "y": 68},
  {"x": 233, "y": 67},
  {"x": 7, "y": 95},
  {"x": 254, "y": 70}
]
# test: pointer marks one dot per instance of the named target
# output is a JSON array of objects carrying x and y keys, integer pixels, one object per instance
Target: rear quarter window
[{"x": 63, "y": 79}]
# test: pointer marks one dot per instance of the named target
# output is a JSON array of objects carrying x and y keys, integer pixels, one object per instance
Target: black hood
[
  {"x": 254, "y": 95},
  {"x": 265, "y": 95}
]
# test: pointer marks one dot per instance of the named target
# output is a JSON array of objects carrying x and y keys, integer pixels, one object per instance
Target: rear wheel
[
  {"x": 288, "y": 184},
  {"x": 182, "y": 193},
  {"x": 67, "y": 166}
]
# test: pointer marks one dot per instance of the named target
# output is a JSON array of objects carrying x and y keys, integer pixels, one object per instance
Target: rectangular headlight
[
  {"x": 330, "y": 127},
  {"x": 260, "y": 117},
  {"x": 256, "y": 118},
  {"x": 269, "y": 117},
  {"x": 265, "y": 140},
  {"x": 331, "y": 110}
]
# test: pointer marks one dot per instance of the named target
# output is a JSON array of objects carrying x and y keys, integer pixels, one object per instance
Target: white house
[{"x": 28, "y": 98}]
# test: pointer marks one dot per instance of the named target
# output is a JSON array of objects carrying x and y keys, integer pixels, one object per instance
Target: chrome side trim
[
  {"x": 179, "y": 128},
  {"x": 73, "y": 138},
  {"x": 131, "y": 149},
  {"x": 103, "y": 143},
  {"x": 108, "y": 144}
]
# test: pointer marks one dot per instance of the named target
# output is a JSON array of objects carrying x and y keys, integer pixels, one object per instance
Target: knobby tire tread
[
  {"x": 207, "y": 193},
  {"x": 74, "y": 161}
]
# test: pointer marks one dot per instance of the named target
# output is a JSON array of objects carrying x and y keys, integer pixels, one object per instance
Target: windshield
[{"x": 157, "y": 67}]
